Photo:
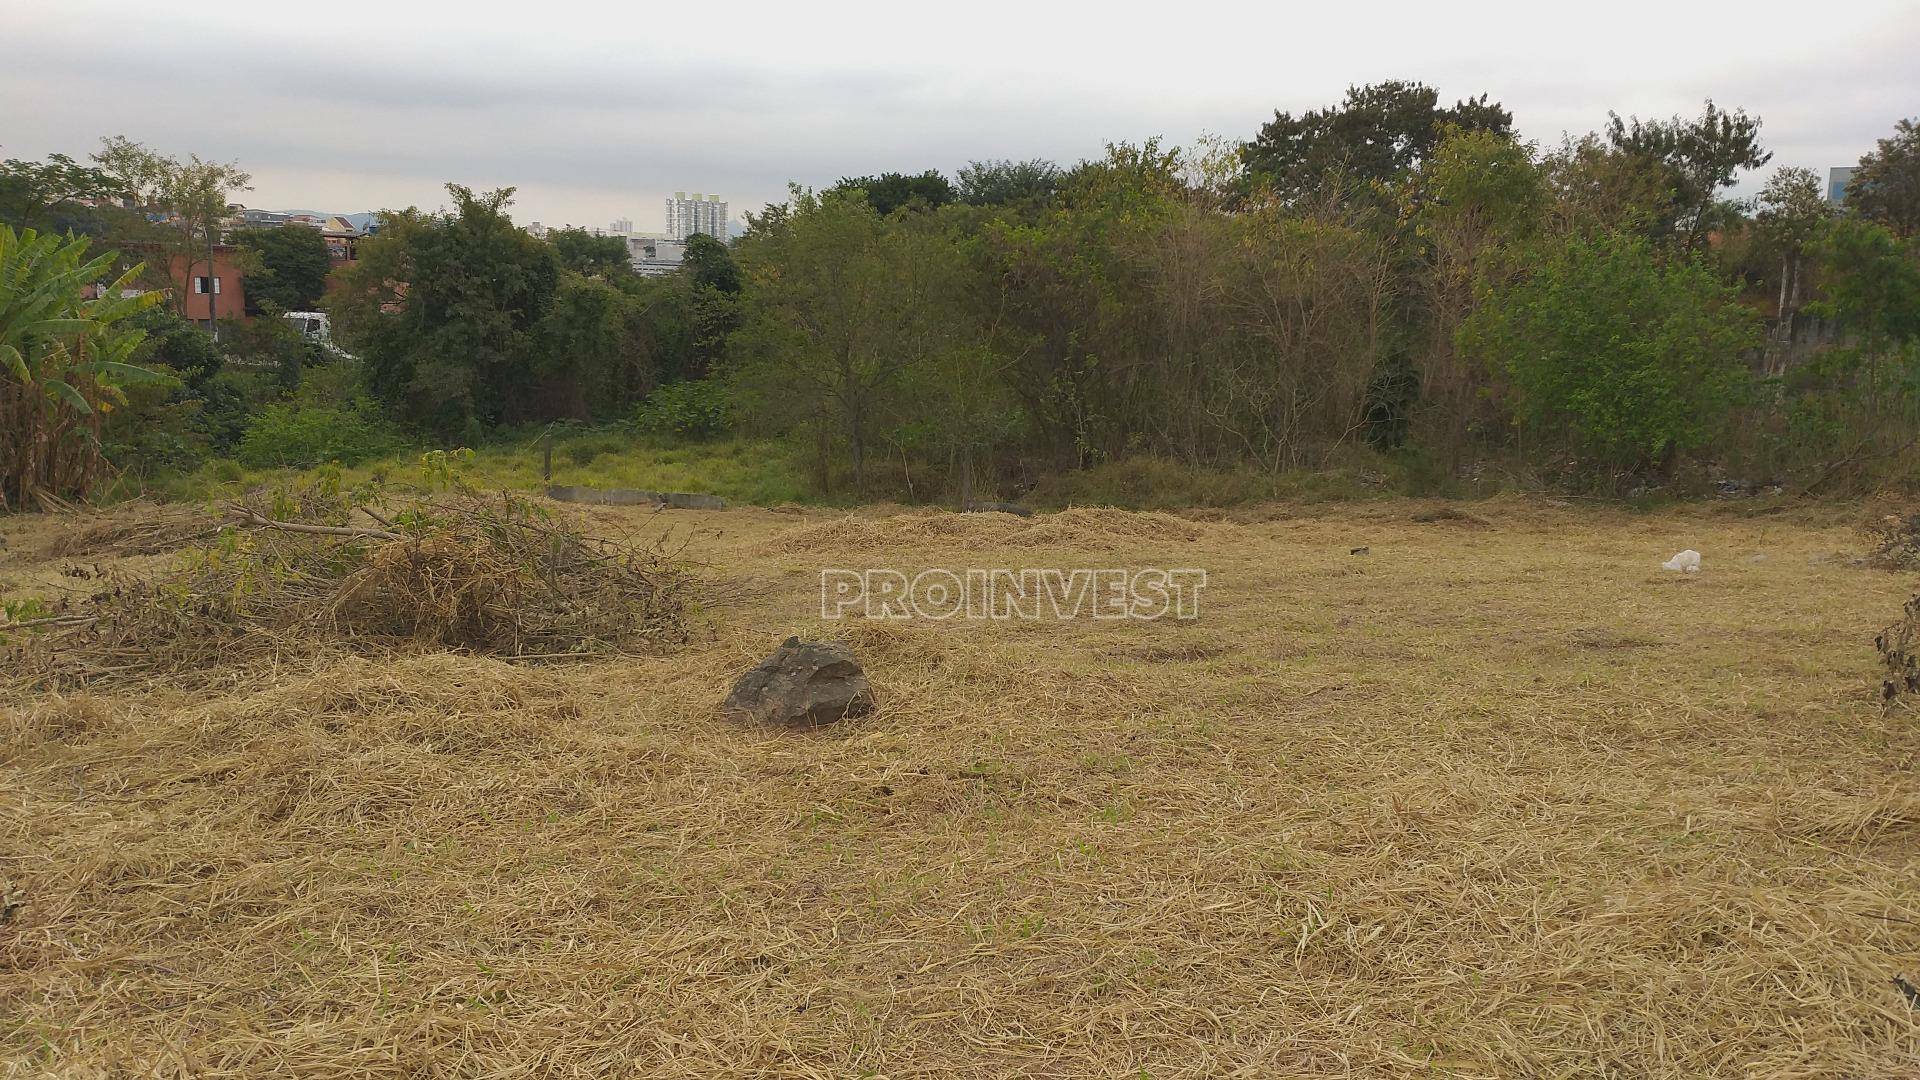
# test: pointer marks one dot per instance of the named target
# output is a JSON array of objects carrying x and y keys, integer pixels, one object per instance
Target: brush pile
[
  {"x": 137, "y": 529},
  {"x": 1894, "y": 542},
  {"x": 316, "y": 570},
  {"x": 1899, "y": 647}
]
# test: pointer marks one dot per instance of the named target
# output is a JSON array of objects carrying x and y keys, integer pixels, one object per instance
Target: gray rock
[{"x": 803, "y": 684}]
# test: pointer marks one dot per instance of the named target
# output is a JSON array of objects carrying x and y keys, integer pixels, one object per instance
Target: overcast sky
[{"x": 597, "y": 110}]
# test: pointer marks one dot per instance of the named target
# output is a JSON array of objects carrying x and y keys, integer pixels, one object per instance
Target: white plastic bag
[{"x": 1687, "y": 561}]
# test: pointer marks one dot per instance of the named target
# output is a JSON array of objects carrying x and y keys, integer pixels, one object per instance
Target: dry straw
[
  {"x": 489, "y": 574},
  {"x": 1893, "y": 541},
  {"x": 1493, "y": 802},
  {"x": 1083, "y": 528}
]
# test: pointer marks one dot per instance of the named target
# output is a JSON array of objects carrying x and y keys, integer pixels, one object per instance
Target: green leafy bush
[
  {"x": 301, "y": 436},
  {"x": 1620, "y": 355},
  {"x": 584, "y": 449},
  {"x": 695, "y": 409}
]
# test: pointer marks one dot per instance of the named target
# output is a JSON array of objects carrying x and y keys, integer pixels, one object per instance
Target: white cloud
[{"x": 597, "y": 110}]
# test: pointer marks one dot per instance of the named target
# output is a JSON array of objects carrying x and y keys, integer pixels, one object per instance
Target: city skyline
[
  {"x": 325, "y": 114},
  {"x": 619, "y": 226}
]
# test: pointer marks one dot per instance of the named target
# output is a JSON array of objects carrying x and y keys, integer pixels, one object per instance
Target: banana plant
[{"x": 65, "y": 354}]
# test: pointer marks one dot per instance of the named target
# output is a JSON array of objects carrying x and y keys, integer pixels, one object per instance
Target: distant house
[
  {"x": 342, "y": 239},
  {"x": 220, "y": 295},
  {"x": 655, "y": 256}
]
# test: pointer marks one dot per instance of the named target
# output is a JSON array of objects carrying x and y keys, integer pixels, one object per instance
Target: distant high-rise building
[
  {"x": 621, "y": 227},
  {"x": 1838, "y": 178},
  {"x": 699, "y": 214}
]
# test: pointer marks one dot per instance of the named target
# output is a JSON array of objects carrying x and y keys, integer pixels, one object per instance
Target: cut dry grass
[
  {"x": 1899, "y": 647},
  {"x": 1079, "y": 528},
  {"x": 315, "y": 571},
  {"x": 1893, "y": 541},
  {"x": 1488, "y": 803},
  {"x": 138, "y": 528}
]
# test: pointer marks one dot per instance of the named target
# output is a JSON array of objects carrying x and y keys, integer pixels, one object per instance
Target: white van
[{"x": 316, "y": 325}]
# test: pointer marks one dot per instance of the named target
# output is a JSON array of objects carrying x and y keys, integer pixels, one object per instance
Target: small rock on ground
[{"x": 802, "y": 684}]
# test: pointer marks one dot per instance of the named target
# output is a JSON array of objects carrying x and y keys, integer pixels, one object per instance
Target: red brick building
[{"x": 227, "y": 292}]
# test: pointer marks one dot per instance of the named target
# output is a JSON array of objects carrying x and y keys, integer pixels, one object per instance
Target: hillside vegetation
[{"x": 1389, "y": 276}]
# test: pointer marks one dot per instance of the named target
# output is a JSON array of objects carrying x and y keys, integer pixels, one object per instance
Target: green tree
[
  {"x": 1886, "y": 186},
  {"x": 891, "y": 191},
  {"x": 713, "y": 303},
  {"x": 445, "y": 310},
  {"x": 837, "y": 311},
  {"x": 182, "y": 346},
  {"x": 961, "y": 409},
  {"x": 47, "y": 195},
  {"x": 189, "y": 199},
  {"x": 1064, "y": 299},
  {"x": 1871, "y": 282},
  {"x": 63, "y": 364},
  {"x": 1702, "y": 157},
  {"x": 1793, "y": 213},
  {"x": 598, "y": 350},
  {"x": 1479, "y": 205},
  {"x": 1599, "y": 189},
  {"x": 1856, "y": 401},
  {"x": 711, "y": 265},
  {"x": 291, "y": 268},
  {"x": 584, "y": 253},
  {"x": 1618, "y": 355},
  {"x": 1008, "y": 183},
  {"x": 664, "y": 306},
  {"x": 271, "y": 345},
  {"x": 1378, "y": 134}
]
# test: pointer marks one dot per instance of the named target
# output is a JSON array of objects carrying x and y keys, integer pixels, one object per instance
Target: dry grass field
[{"x": 1497, "y": 799}]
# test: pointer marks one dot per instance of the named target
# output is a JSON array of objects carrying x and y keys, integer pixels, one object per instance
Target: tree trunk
[
  {"x": 859, "y": 459},
  {"x": 822, "y": 464}
]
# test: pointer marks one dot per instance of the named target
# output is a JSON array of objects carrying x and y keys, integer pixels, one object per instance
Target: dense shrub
[
  {"x": 293, "y": 435},
  {"x": 695, "y": 410},
  {"x": 175, "y": 343},
  {"x": 1617, "y": 354},
  {"x": 583, "y": 449},
  {"x": 293, "y": 268},
  {"x": 63, "y": 364}
]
